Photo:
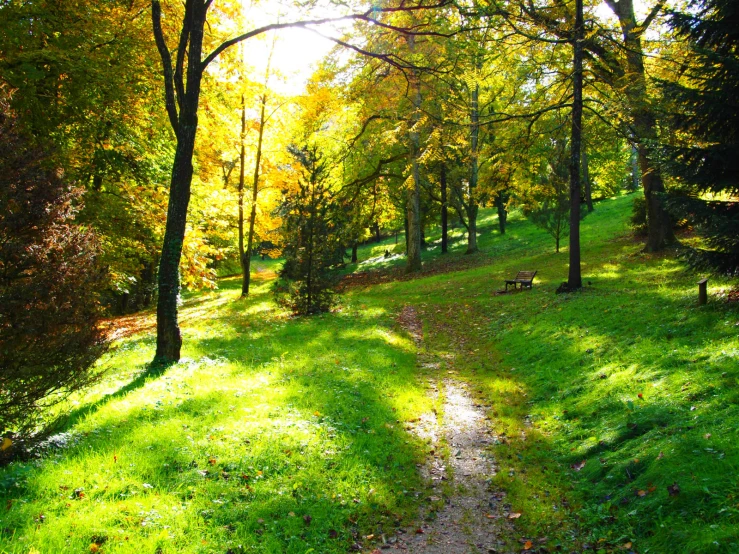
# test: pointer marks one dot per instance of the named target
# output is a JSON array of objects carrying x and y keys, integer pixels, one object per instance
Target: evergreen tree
[
  {"x": 311, "y": 237},
  {"x": 705, "y": 121}
]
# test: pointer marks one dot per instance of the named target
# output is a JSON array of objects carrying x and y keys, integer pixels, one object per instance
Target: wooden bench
[{"x": 524, "y": 278}]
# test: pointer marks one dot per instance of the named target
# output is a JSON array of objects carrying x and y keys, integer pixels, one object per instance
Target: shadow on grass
[
  {"x": 303, "y": 420},
  {"x": 152, "y": 371}
]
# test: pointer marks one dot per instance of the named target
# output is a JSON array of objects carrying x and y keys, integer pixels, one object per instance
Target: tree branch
[
  {"x": 181, "y": 49},
  {"x": 169, "y": 96},
  {"x": 365, "y": 16},
  {"x": 648, "y": 21}
]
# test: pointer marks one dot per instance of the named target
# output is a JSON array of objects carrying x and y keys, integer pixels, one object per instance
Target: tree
[
  {"x": 311, "y": 236},
  {"x": 705, "y": 119},
  {"x": 49, "y": 280},
  {"x": 626, "y": 71},
  {"x": 615, "y": 57},
  {"x": 83, "y": 85},
  {"x": 548, "y": 204},
  {"x": 574, "y": 279}
]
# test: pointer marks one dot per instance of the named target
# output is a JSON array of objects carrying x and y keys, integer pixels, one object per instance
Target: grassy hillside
[{"x": 615, "y": 411}]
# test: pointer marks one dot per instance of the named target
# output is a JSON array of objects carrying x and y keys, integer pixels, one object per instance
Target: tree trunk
[
  {"x": 634, "y": 168},
  {"x": 500, "y": 203},
  {"x": 472, "y": 207},
  {"x": 254, "y": 194},
  {"x": 574, "y": 280},
  {"x": 659, "y": 232},
  {"x": 242, "y": 256},
  {"x": 354, "y": 253},
  {"x": 444, "y": 213},
  {"x": 376, "y": 230},
  {"x": 185, "y": 125},
  {"x": 586, "y": 180},
  {"x": 405, "y": 230},
  {"x": 413, "y": 196}
]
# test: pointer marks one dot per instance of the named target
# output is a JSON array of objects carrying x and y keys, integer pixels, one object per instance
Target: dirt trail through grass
[{"x": 463, "y": 515}]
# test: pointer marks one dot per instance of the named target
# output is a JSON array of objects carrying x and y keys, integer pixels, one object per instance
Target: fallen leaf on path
[
  {"x": 514, "y": 515},
  {"x": 578, "y": 466},
  {"x": 528, "y": 545}
]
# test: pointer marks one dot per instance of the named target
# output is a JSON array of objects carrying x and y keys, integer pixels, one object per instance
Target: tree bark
[
  {"x": 574, "y": 280},
  {"x": 500, "y": 203},
  {"x": 405, "y": 229},
  {"x": 659, "y": 232},
  {"x": 242, "y": 154},
  {"x": 185, "y": 126},
  {"x": 472, "y": 207},
  {"x": 444, "y": 213},
  {"x": 354, "y": 253},
  {"x": 254, "y": 194},
  {"x": 413, "y": 195},
  {"x": 586, "y": 180},
  {"x": 634, "y": 168}
]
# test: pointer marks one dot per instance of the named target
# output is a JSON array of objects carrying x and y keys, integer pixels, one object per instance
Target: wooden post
[{"x": 702, "y": 292}]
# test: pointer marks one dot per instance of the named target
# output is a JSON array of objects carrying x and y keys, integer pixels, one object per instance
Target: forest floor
[{"x": 605, "y": 420}]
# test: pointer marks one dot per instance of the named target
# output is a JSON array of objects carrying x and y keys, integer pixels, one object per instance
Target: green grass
[
  {"x": 629, "y": 376},
  {"x": 270, "y": 419},
  {"x": 276, "y": 434}
]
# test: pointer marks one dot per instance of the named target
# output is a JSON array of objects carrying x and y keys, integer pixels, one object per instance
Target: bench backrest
[{"x": 526, "y": 275}]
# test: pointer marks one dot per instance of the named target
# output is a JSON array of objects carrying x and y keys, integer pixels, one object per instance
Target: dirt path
[{"x": 471, "y": 518}]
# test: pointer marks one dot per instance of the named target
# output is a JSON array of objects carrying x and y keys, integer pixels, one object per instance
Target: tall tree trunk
[
  {"x": 588, "y": 189},
  {"x": 185, "y": 125},
  {"x": 472, "y": 207},
  {"x": 242, "y": 154},
  {"x": 500, "y": 203},
  {"x": 659, "y": 231},
  {"x": 377, "y": 232},
  {"x": 574, "y": 280},
  {"x": 354, "y": 252},
  {"x": 444, "y": 213},
  {"x": 634, "y": 168},
  {"x": 254, "y": 193},
  {"x": 413, "y": 195},
  {"x": 405, "y": 230}
]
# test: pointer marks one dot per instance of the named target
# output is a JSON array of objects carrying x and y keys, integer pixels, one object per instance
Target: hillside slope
[{"x": 615, "y": 412}]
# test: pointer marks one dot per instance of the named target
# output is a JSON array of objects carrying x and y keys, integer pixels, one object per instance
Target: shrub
[
  {"x": 638, "y": 219},
  {"x": 49, "y": 278}
]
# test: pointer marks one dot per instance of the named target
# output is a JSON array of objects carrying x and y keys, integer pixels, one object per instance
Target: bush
[
  {"x": 49, "y": 278},
  {"x": 638, "y": 219}
]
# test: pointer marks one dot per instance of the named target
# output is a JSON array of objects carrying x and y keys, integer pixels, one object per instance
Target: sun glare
[{"x": 297, "y": 51}]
